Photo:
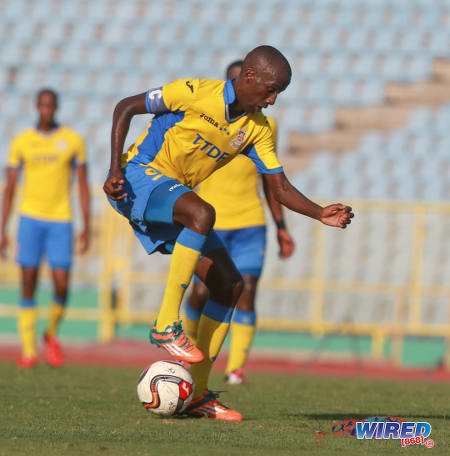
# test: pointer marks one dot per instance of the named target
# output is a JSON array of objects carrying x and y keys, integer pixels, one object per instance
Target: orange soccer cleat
[
  {"x": 208, "y": 405},
  {"x": 53, "y": 354},
  {"x": 26, "y": 362},
  {"x": 175, "y": 341}
]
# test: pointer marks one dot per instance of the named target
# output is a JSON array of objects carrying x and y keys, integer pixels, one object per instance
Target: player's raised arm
[
  {"x": 123, "y": 113},
  {"x": 338, "y": 215}
]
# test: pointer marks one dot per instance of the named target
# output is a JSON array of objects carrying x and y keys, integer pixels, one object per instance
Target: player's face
[
  {"x": 261, "y": 91},
  {"x": 46, "y": 106}
]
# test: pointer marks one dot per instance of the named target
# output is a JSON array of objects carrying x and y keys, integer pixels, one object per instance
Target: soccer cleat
[
  {"x": 26, "y": 362},
  {"x": 208, "y": 405},
  {"x": 53, "y": 354},
  {"x": 236, "y": 377},
  {"x": 175, "y": 341}
]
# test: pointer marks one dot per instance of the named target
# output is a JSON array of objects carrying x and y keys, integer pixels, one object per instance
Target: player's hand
[
  {"x": 337, "y": 215},
  {"x": 4, "y": 246},
  {"x": 286, "y": 243},
  {"x": 113, "y": 186},
  {"x": 83, "y": 241}
]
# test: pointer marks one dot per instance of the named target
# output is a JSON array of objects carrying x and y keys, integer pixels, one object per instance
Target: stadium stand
[{"x": 369, "y": 99}]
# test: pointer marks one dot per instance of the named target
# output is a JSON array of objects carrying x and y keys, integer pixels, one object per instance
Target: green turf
[{"x": 94, "y": 411}]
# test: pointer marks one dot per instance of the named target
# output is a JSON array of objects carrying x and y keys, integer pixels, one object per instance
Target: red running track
[{"x": 138, "y": 354}]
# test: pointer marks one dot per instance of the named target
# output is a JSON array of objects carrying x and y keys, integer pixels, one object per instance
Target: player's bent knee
[{"x": 204, "y": 218}]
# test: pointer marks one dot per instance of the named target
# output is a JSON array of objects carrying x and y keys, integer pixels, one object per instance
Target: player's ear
[{"x": 249, "y": 75}]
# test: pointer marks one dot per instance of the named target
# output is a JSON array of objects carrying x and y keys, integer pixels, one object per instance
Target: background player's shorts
[
  {"x": 247, "y": 247},
  {"x": 37, "y": 237},
  {"x": 154, "y": 225}
]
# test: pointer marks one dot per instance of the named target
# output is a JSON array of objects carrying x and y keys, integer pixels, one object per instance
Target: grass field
[{"x": 81, "y": 410}]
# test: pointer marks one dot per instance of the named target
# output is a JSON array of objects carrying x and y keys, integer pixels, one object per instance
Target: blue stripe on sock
[
  {"x": 244, "y": 317},
  {"x": 217, "y": 311},
  {"x": 191, "y": 239},
  {"x": 59, "y": 300},
  {"x": 27, "y": 303},
  {"x": 192, "y": 313}
]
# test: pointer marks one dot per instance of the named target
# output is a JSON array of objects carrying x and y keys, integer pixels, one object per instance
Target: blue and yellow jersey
[
  {"x": 233, "y": 192},
  {"x": 47, "y": 160},
  {"x": 192, "y": 135}
]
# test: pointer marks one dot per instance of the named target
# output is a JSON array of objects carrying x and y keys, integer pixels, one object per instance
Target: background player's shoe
[
  {"x": 208, "y": 405},
  {"x": 53, "y": 354},
  {"x": 26, "y": 362},
  {"x": 175, "y": 341},
  {"x": 236, "y": 377}
]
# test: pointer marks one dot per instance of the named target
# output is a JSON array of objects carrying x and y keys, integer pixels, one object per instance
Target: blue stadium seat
[
  {"x": 365, "y": 65},
  {"x": 384, "y": 40}
]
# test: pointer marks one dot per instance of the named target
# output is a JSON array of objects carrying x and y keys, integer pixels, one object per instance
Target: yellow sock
[
  {"x": 212, "y": 330},
  {"x": 56, "y": 314},
  {"x": 191, "y": 327},
  {"x": 186, "y": 254},
  {"x": 27, "y": 330},
  {"x": 241, "y": 341}
]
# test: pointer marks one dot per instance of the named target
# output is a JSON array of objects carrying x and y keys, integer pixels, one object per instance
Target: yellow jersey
[
  {"x": 47, "y": 160},
  {"x": 192, "y": 134},
  {"x": 233, "y": 192}
]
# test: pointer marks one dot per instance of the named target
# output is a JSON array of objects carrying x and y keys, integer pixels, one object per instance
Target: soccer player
[
  {"x": 240, "y": 223},
  {"x": 199, "y": 126},
  {"x": 47, "y": 153}
]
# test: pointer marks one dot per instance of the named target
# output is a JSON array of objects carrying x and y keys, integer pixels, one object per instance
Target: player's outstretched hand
[
  {"x": 337, "y": 215},
  {"x": 113, "y": 186}
]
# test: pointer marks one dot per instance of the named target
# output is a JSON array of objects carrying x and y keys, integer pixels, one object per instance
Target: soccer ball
[{"x": 165, "y": 388}]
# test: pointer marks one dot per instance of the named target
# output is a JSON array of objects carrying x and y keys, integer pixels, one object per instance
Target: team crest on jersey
[{"x": 237, "y": 142}]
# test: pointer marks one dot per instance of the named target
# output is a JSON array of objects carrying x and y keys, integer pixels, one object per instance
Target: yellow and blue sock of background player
[
  {"x": 243, "y": 327},
  {"x": 212, "y": 330},
  {"x": 27, "y": 327},
  {"x": 57, "y": 308},
  {"x": 185, "y": 257}
]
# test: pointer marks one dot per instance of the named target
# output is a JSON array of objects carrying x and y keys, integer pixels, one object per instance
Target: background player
[
  {"x": 241, "y": 224},
  {"x": 200, "y": 125},
  {"x": 47, "y": 153}
]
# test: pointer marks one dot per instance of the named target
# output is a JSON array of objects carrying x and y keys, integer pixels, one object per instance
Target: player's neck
[
  {"x": 47, "y": 126},
  {"x": 235, "y": 109}
]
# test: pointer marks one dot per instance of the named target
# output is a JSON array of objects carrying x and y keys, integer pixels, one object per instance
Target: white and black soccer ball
[{"x": 165, "y": 388}]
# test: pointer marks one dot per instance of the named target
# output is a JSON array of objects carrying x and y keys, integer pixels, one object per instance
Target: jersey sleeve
[
  {"x": 79, "y": 157},
  {"x": 175, "y": 96},
  {"x": 262, "y": 153},
  {"x": 180, "y": 94},
  {"x": 15, "y": 156}
]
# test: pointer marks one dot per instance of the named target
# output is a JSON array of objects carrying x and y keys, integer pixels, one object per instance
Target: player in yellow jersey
[
  {"x": 241, "y": 224},
  {"x": 199, "y": 126},
  {"x": 46, "y": 154}
]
